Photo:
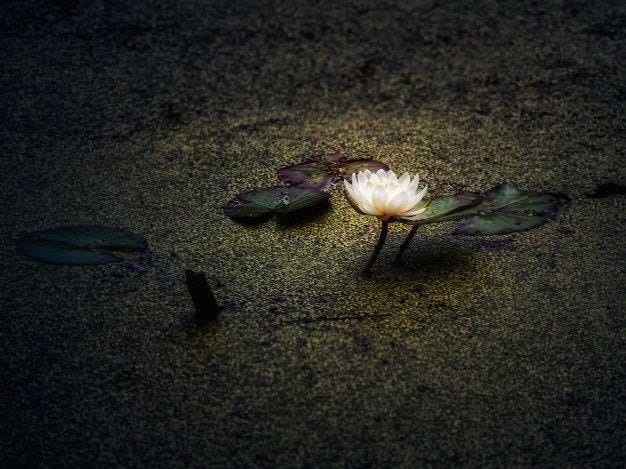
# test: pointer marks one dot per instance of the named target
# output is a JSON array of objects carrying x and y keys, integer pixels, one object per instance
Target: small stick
[
  {"x": 203, "y": 299},
  {"x": 405, "y": 244}
]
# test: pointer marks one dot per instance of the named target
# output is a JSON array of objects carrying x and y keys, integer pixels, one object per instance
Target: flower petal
[
  {"x": 412, "y": 216},
  {"x": 379, "y": 199},
  {"x": 349, "y": 188},
  {"x": 404, "y": 180},
  {"x": 396, "y": 205},
  {"x": 367, "y": 208},
  {"x": 415, "y": 182},
  {"x": 422, "y": 193},
  {"x": 367, "y": 190}
]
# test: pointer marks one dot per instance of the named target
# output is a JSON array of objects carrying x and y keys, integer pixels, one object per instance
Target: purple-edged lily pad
[
  {"x": 307, "y": 175},
  {"x": 272, "y": 200},
  {"x": 80, "y": 245},
  {"x": 321, "y": 171}
]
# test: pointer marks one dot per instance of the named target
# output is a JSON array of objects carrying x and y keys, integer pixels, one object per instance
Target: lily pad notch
[{"x": 80, "y": 244}]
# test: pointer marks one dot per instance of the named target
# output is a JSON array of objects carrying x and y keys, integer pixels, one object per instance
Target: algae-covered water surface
[{"x": 151, "y": 116}]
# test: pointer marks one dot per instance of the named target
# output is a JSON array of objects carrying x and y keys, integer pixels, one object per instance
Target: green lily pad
[
  {"x": 80, "y": 245},
  {"x": 321, "y": 171},
  {"x": 446, "y": 205},
  {"x": 506, "y": 209},
  {"x": 273, "y": 200},
  {"x": 503, "y": 209}
]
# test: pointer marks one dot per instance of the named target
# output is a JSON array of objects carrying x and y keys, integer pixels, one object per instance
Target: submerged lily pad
[
  {"x": 321, "y": 171},
  {"x": 273, "y": 200},
  {"x": 500, "y": 223},
  {"x": 80, "y": 245},
  {"x": 506, "y": 209},
  {"x": 354, "y": 166},
  {"x": 307, "y": 175},
  {"x": 332, "y": 157}
]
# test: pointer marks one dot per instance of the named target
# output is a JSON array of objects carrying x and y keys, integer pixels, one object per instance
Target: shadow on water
[
  {"x": 434, "y": 275},
  {"x": 303, "y": 217},
  {"x": 252, "y": 222},
  {"x": 434, "y": 255},
  {"x": 432, "y": 267},
  {"x": 446, "y": 253}
]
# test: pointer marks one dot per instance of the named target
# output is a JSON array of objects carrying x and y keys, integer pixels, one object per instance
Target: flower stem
[
  {"x": 379, "y": 245},
  {"x": 397, "y": 260}
]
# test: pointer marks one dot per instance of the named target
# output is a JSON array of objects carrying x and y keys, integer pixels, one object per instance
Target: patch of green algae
[{"x": 475, "y": 352}]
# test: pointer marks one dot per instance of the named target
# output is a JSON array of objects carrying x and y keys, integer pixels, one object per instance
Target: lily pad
[
  {"x": 273, "y": 200},
  {"x": 506, "y": 209},
  {"x": 80, "y": 245},
  {"x": 320, "y": 171},
  {"x": 503, "y": 209},
  {"x": 444, "y": 206}
]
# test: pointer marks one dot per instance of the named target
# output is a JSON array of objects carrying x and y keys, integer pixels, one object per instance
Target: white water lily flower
[{"x": 384, "y": 195}]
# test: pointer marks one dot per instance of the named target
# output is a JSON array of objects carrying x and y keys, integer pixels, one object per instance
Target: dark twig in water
[
  {"x": 405, "y": 244},
  {"x": 379, "y": 245},
  {"x": 204, "y": 301}
]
